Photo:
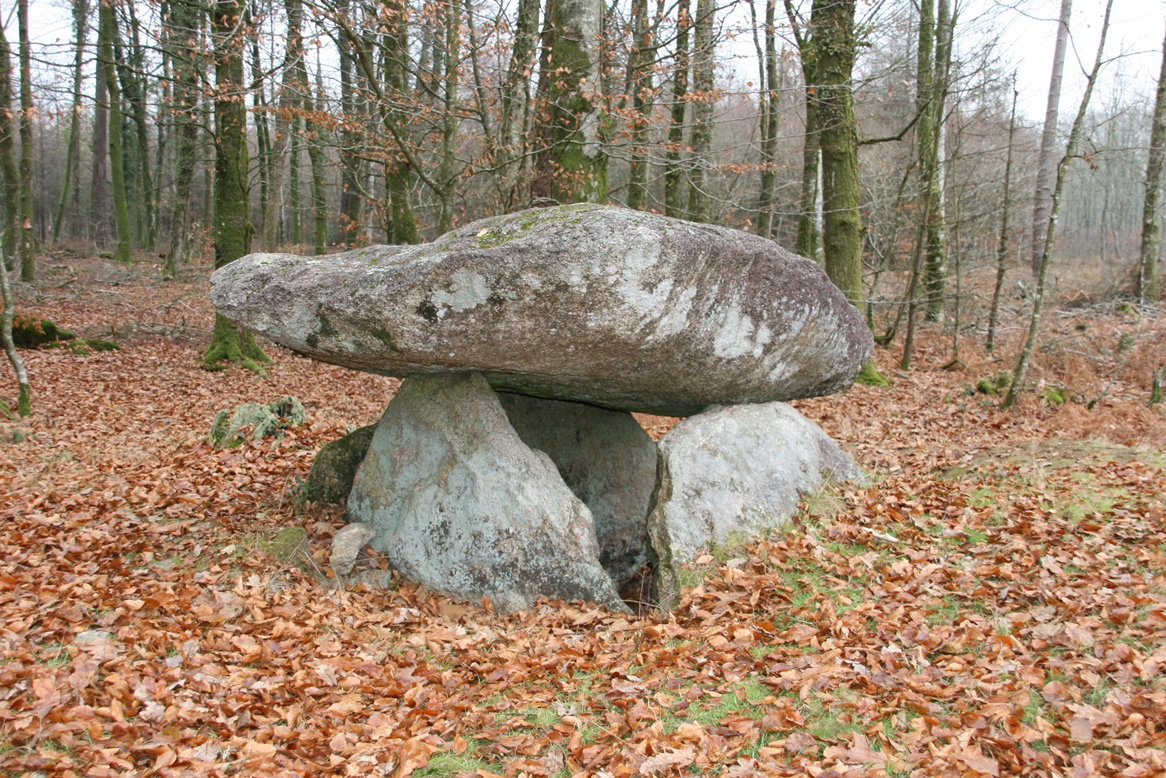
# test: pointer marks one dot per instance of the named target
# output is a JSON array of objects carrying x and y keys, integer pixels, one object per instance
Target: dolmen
[{"x": 508, "y": 465}]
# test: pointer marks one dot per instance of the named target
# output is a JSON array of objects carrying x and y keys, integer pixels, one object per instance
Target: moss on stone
[
  {"x": 289, "y": 545},
  {"x": 332, "y": 473}
]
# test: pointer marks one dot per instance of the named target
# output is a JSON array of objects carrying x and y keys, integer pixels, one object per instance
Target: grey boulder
[
  {"x": 587, "y": 303},
  {"x": 346, "y": 546},
  {"x": 461, "y": 505},
  {"x": 330, "y": 479},
  {"x": 607, "y": 460},
  {"x": 729, "y": 474}
]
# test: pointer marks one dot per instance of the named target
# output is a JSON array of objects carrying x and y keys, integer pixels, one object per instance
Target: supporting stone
[
  {"x": 461, "y": 505},
  {"x": 607, "y": 460},
  {"x": 730, "y": 474}
]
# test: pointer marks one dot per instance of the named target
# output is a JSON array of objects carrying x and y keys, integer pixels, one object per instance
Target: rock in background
[
  {"x": 334, "y": 468},
  {"x": 730, "y": 474},
  {"x": 607, "y": 461},
  {"x": 461, "y": 505},
  {"x": 251, "y": 421}
]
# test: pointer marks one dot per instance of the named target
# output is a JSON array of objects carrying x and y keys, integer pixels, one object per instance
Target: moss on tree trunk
[{"x": 233, "y": 228}]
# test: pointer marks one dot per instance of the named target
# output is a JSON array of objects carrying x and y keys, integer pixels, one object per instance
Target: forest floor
[{"x": 993, "y": 603}]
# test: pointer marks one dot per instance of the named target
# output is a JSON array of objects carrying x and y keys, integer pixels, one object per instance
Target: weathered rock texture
[
  {"x": 251, "y": 421},
  {"x": 594, "y": 304},
  {"x": 334, "y": 468},
  {"x": 346, "y": 546},
  {"x": 731, "y": 473},
  {"x": 460, "y": 504},
  {"x": 607, "y": 461}
]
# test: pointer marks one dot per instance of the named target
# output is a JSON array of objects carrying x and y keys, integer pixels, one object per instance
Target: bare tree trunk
[
  {"x": 641, "y": 60},
  {"x": 185, "y": 29},
  {"x": 703, "y": 110},
  {"x": 768, "y": 109},
  {"x": 233, "y": 227},
  {"x": 133, "y": 79},
  {"x": 99, "y": 201},
  {"x": 673, "y": 172},
  {"x": 1002, "y": 243},
  {"x": 809, "y": 239},
  {"x": 24, "y": 392},
  {"x": 1022, "y": 362},
  {"x": 8, "y": 168},
  {"x": 566, "y": 170},
  {"x": 27, "y": 237},
  {"x": 1148, "y": 268},
  {"x": 108, "y": 32},
  {"x": 73, "y": 149},
  {"x": 1047, "y": 163},
  {"x": 935, "y": 267}
]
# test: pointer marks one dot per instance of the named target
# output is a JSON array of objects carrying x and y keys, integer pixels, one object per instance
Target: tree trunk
[
  {"x": 233, "y": 228},
  {"x": 1147, "y": 286},
  {"x": 27, "y": 237},
  {"x": 315, "y": 139},
  {"x": 133, "y": 79},
  {"x": 703, "y": 110},
  {"x": 809, "y": 239},
  {"x": 121, "y": 209},
  {"x": 398, "y": 180},
  {"x": 935, "y": 267},
  {"x": 832, "y": 29},
  {"x": 1047, "y": 162},
  {"x": 565, "y": 165},
  {"x": 1016, "y": 386},
  {"x": 1002, "y": 243},
  {"x": 73, "y": 148},
  {"x": 768, "y": 118},
  {"x": 641, "y": 60},
  {"x": 8, "y": 167},
  {"x": 262, "y": 129},
  {"x": 674, "y": 191},
  {"x": 24, "y": 392},
  {"x": 99, "y": 201},
  {"x": 185, "y": 23},
  {"x": 351, "y": 201}
]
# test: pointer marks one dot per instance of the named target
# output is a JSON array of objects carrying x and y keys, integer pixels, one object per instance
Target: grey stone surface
[
  {"x": 251, "y": 421},
  {"x": 608, "y": 462},
  {"x": 330, "y": 479},
  {"x": 595, "y": 304},
  {"x": 460, "y": 504},
  {"x": 346, "y": 546},
  {"x": 731, "y": 473}
]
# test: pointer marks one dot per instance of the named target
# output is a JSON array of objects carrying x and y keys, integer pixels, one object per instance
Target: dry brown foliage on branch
[{"x": 993, "y": 604}]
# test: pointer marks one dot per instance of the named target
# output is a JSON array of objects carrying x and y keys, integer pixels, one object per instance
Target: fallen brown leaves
[{"x": 994, "y": 604}]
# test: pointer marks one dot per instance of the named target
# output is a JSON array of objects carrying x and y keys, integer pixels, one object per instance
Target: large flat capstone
[{"x": 585, "y": 303}]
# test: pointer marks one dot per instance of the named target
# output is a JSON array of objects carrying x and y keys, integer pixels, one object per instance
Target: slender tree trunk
[
  {"x": 703, "y": 110},
  {"x": 641, "y": 59},
  {"x": 835, "y": 44},
  {"x": 767, "y": 120},
  {"x": 1002, "y": 243},
  {"x": 100, "y": 210},
  {"x": 1147, "y": 286},
  {"x": 73, "y": 149},
  {"x": 133, "y": 79},
  {"x": 351, "y": 201},
  {"x": 398, "y": 180},
  {"x": 674, "y": 204},
  {"x": 808, "y": 242},
  {"x": 186, "y": 26},
  {"x": 262, "y": 129},
  {"x": 270, "y": 235},
  {"x": 108, "y": 32},
  {"x": 315, "y": 132},
  {"x": 9, "y": 171},
  {"x": 24, "y": 392},
  {"x": 27, "y": 236},
  {"x": 446, "y": 174},
  {"x": 935, "y": 266},
  {"x": 1047, "y": 162},
  {"x": 233, "y": 228},
  {"x": 1020, "y": 373}
]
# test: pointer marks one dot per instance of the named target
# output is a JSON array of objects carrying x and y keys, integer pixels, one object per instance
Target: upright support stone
[
  {"x": 731, "y": 473},
  {"x": 460, "y": 504},
  {"x": 607, "y": 460}
]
